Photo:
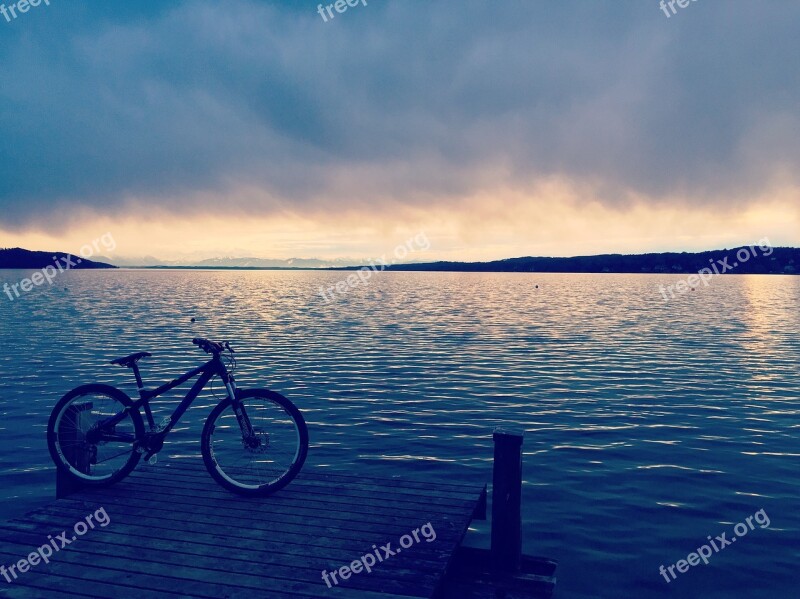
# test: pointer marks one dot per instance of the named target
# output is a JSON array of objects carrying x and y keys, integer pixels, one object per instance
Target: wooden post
[
  {"x": 72, "y": 445},
  {"x": 507, "y": 500}
]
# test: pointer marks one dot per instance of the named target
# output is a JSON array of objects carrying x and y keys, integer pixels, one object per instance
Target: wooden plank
[
  {"x": 277, "y": 543},
  {"x": 479, "y": 513},
  {"x": 195, "y": 469},
  {"x": 355, "y": 519},
  {"x": 47, "y": 584},
  {"x": 313, "y": 489},
  {"x": 320, "y": 486},
  {"x": 308, "y": 537},
  {"x": 253, "y": 550},
  {"x": 238, "y": 568},
  {"x": 299, "y": 516},
  {"x": 286, "y": 501},
  {"x": 361, "y": 489},
  {"x": 155, "y": 580},
  {"x": 215, "y": 557},
  {"x": 177, "y": 577},
  {"x": 307, "y": 487},
  {"x": 191, "y": 465}
]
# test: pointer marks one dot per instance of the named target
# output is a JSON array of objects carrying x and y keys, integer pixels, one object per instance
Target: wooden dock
[
  {"x": 170, "y": 531},
  {"x": 174, "y": 533}
]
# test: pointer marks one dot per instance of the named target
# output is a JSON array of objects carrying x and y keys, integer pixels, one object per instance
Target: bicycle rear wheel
[
  {"x": 80, "y": 443},
  {"x": 264, "y": 462}
]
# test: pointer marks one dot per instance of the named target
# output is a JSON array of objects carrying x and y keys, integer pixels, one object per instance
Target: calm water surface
[{"x": 649, "y": 425}]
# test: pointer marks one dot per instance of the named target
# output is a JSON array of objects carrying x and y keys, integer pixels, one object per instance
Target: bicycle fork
[{"x": 238, "y": 409}]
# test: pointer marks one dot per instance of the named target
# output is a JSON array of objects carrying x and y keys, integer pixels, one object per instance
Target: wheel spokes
[
  {"x": 260, "y": 459},
  {"x": 82, "y": 443}
]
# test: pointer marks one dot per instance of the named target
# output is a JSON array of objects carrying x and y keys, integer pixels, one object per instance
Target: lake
[{"x": 650, "y": 424}]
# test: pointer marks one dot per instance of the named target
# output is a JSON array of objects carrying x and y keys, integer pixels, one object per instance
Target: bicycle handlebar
[{"x": 212, "y": 347}]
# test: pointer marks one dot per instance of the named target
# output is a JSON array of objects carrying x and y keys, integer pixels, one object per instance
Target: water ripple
[{"x": 649, "y": 424}]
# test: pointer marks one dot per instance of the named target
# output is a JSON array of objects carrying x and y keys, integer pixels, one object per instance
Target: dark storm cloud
[{"x": 408, "y": 100}]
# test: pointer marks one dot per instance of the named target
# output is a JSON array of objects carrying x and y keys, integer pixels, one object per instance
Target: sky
[{"x": 199, "y": 129}]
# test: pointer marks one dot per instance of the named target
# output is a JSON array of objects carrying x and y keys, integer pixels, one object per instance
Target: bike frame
[{"x": 214, "y": 367}]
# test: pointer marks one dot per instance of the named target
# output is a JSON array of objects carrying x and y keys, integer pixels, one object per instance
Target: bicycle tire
[
  {"x": 56, "y": 431},
  {"x": 233, "y": 480}
]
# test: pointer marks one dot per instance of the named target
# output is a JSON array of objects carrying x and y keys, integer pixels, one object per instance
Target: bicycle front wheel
[{"x": 258, "y": 462}]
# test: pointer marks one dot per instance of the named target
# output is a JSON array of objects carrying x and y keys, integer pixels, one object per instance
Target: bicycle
[{"x": 253, "y": 443}]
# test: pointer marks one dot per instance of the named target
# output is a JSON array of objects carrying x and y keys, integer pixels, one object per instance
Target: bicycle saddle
[{"x": 131, "y": 360}]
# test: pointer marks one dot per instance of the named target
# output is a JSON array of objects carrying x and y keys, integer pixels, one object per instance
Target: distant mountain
[
  {"x": 131, "y": 262},
  {"x": 255, "y": 263},
  {"x": 758, "y": 261},
  {"x": 26, "y": 259},
  {"x": 273, "y": 263}
]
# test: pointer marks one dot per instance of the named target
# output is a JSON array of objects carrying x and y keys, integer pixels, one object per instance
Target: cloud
[{"x": 261, "y": 108}]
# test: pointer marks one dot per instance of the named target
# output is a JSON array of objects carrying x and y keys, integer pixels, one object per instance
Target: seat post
[
  {"x": 147, "y": 411},
  {"x": 139, "y": 383}
]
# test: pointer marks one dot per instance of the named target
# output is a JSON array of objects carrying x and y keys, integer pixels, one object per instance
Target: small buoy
[{"x": 193, "y": 319}]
